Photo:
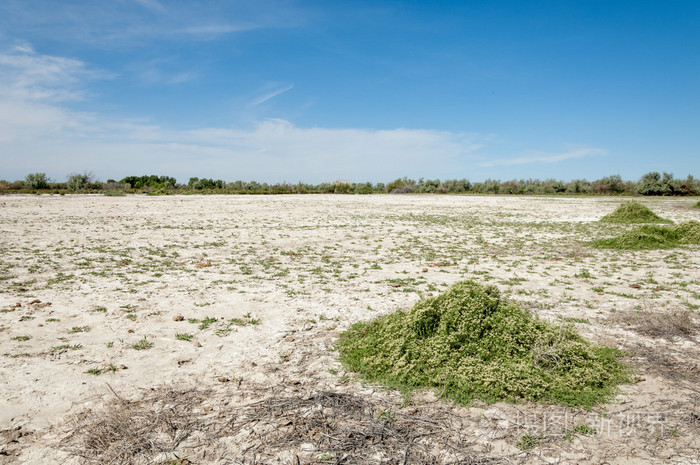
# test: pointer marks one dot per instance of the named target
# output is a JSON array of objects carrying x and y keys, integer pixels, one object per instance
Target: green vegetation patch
[
  {"x": 470, "y": 343},
  {"x": 633, "y": 212},
  {"x": 688, "y": 232},
  {"x": 653, "y": 237}
]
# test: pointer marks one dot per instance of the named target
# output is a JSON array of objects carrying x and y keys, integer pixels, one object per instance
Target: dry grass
[
  {"x": 345, "y": 428},
  {"x": 299, "y": 428},
  {"x": 134, "y": 431},
  {"x": 660, "y": 325}
]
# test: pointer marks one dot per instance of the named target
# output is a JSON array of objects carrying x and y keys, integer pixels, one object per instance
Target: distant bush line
[{"x": 652, "y": 183}]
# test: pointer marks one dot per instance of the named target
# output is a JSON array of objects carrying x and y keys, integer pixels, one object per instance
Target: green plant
[
  {"x": 66, "y": 347},
  {"x": 584, "y": 273},
  {"x": 633, "y": 212},
  {"x": 183, "y": 337},
  {"x": 79, "y": 329},
  {"x": 206, "y": 322},
  {"x": 528, "y": 441},
  {"x": 585, "y": 429},
  {"x": 21, "y": 338},
  {"x": 143, "y": 344},
  {"x": 469, "y": 343},
  {"x": 580, "y": 429}
]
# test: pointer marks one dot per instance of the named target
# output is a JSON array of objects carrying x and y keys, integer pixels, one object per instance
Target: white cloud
[
  {"x": 28, "y": 76},
  {"x": 540, "y": 157}
]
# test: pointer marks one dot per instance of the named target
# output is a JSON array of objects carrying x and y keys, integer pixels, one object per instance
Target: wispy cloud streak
[
  {"x": 539, "y": 157},
  {"x": 272, "y": 94}
]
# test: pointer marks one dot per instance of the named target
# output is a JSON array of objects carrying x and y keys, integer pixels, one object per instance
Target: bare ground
[{"x": 200, "y": 329}]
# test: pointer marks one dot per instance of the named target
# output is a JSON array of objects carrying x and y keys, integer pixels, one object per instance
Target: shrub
[
  {"x": 609, "y": 185},
  {"x": 37, "y": 181},
  {"x": 78, "y": 182},
  {"x": 471, "y": 343},
  {"x": 401, "y": 186},
  {"x": 654, "y": 184},
  {"x": 633, "y": 212}
]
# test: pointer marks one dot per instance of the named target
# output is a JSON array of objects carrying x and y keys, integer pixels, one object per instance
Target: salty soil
[{"x": 200, "y": 329}]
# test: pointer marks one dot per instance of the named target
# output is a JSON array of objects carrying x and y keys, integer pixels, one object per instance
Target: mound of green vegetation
[
  {"x": 697, "y": 204},
  {"x": 633, "y": 212},
  {"x": 653, "y": 237},
  {"x": 469, "y": 343},
  {"x": 688, "y": 232}
]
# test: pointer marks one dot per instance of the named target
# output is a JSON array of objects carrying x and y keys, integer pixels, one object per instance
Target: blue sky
[{"x": 316, "y": 91}]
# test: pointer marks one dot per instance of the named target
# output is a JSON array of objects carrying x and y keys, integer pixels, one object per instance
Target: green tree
[
  {"x": 37, "y": 181},
  {"x": 77, "y": 182}
]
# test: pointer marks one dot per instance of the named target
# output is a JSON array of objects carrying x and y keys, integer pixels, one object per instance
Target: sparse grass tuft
[
  {"x": 633, "y": 212},
  {"x": 206, "y": 322},
  {"x": 470, "y": 343},
  {"x": 143, "y": 344}
]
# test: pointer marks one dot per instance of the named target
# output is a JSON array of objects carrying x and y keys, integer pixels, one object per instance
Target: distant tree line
[{"x": 652, "y": 183}]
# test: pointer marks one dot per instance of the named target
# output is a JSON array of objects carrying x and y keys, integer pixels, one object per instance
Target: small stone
[
  {"x": 425, "y": 270},
  {"x": 223, "y": 379},
  {"x": 197, "y": 344},
  {"x": 429, "y": 294},
  {"x": 130, "y": 331},
  {"x": 178, "y": 318},
  {"x": 123, "y": 367},
  {"x": 40, "y": 325}
]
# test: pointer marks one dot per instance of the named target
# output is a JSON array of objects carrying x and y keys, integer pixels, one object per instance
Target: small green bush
[
  {"x": 633, "y": 212},
  {"x": 697, "y": 204},
  {"x": 470, "y": 343}
]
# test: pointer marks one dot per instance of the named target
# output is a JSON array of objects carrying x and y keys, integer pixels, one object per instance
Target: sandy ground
[{"x": 241, "y": 299}]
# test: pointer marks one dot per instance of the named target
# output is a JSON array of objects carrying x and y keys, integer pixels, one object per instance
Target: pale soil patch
[{"x": 86, "y": 279}]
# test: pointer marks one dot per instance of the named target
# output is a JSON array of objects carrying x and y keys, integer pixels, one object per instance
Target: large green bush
[{"x": 471, "y": 343}]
